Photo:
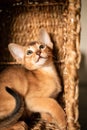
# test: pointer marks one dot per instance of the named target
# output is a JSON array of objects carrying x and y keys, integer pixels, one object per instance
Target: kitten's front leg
[
  {"x": 18, "y": 126},
  {"x": 48, "y": 105}
]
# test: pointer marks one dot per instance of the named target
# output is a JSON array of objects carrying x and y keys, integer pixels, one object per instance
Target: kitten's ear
[
  {"x": 17, "y": 51},
  {"x": 45, "y": 38}
]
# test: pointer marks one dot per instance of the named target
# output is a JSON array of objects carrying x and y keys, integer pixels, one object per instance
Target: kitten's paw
[{"x": 47, "y": 117}]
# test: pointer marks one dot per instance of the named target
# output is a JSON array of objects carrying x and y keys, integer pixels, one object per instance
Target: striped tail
[{"x": 12, "y": 118}]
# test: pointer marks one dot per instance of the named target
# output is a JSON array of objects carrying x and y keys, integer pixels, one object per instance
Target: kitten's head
[{"x": 35, "y": 55}]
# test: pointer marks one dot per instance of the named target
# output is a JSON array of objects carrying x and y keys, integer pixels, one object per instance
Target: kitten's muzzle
[
  {"x": 39, "y": 55},
  {"x": 40, "y": 58}
]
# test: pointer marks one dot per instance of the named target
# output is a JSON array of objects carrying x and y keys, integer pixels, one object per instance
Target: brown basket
[{"x": 20, "y": 23}]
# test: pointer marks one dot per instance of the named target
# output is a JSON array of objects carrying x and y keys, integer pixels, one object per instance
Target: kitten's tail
[{"x": 12, "y": 118}]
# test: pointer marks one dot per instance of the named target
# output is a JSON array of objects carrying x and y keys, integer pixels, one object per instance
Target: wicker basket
[{"x": 20, "y": 23}]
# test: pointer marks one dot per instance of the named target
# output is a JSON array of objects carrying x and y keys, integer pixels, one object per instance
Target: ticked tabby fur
[{"x": 36, "y": 81}]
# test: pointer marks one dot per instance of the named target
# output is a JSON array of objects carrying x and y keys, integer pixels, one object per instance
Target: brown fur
[{"x": 36, "y": 80}]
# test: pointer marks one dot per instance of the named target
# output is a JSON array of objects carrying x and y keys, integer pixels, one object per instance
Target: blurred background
[{"x": 83, "y": 68}]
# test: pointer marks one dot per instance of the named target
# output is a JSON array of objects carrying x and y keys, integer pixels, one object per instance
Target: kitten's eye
[
  {"x": 42, "y": 46},
  {"x": 29, "y": 52}
]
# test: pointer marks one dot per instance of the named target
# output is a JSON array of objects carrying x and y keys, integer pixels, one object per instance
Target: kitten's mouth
[{"x": 40, "y": 58}]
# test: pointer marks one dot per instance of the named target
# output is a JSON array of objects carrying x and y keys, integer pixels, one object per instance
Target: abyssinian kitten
[{"x": 33, "y": 86}]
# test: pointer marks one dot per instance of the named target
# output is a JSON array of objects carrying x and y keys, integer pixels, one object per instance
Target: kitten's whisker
[{"x": 50, "y": 54}]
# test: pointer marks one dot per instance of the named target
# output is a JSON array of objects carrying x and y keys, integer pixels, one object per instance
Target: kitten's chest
[
  {"x": 51, "y": 87},
  {"x": 45, "y": 85}
]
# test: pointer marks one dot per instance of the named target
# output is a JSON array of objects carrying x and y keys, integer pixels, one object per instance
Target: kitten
[{"x": 36, "y": 81}]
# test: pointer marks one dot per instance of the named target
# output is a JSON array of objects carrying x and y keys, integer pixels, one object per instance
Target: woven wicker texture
[{"x": 21, "y": 24}]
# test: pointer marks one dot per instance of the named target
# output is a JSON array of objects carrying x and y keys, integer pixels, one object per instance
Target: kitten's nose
[{"x": 38, "y": 52}]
